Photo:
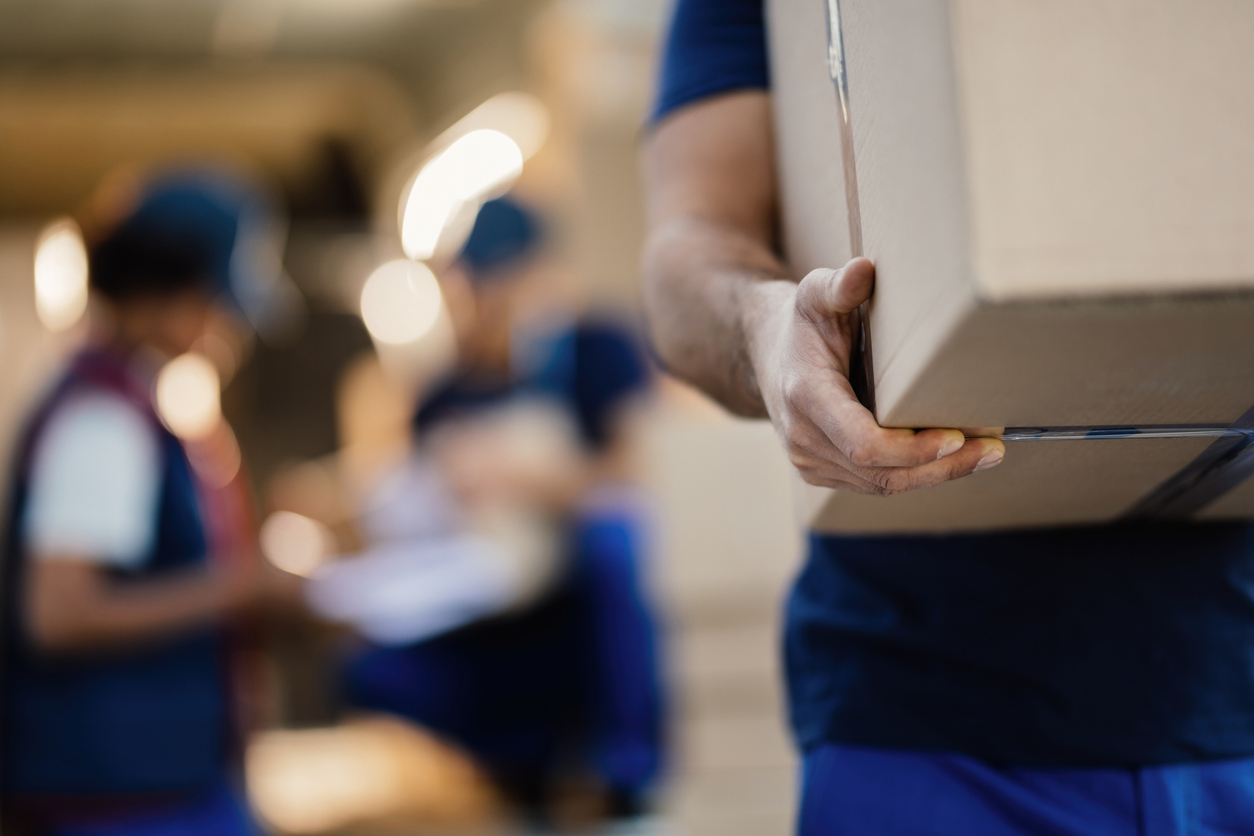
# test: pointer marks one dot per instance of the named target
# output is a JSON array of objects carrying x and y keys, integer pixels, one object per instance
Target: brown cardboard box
[{"x": 1059, "y": 198}]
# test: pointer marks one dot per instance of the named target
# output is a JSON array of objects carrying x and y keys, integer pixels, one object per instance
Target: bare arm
[
  {"x": 726, "y": 316},
  {"x": 72, "y": 604}
]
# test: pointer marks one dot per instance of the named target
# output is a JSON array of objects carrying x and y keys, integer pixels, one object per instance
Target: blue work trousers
[{"x": 857, "y": 791}]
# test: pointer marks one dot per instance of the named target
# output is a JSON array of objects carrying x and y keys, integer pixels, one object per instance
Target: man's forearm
[
  {"x": 713, "y": 295},
  {"x": 75, "y": 606}
]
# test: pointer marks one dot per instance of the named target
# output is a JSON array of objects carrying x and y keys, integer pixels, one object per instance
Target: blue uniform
[
  {"x": 94, "y": 741},
  {"x": 577, "y": 671},
  {"x": 1115, "y": 648}
]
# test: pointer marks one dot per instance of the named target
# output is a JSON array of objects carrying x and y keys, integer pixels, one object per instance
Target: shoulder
[
  {"x": 94, "y": 480},
  {"x": 93, "y": 423},
  {"x": 713, "y": 47},
  {"x": 95, "y": 443}
]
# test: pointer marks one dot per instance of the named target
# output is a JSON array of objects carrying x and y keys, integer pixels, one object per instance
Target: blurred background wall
[{"x": 338, "y": 104}]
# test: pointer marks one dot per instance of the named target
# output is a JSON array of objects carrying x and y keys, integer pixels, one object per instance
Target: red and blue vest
[{"x": 153, "y": 719}]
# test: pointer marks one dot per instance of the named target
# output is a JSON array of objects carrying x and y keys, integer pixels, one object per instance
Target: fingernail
[
  {"x": 951, "y": 447},
  {"x": 991, "y": 459}
]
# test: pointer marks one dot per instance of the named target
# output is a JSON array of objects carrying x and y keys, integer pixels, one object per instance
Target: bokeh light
[
  {"x": 473, "y": 167},
  {"x": 295, "y": 543},
  {"x": 400, "y": 302},
  {"x": 60, "y": 275},
  {"x": 520, "y": 116},
  {"x": 188, "y": 395},
  {"x": 374, "y": 775},
  {"x": 316, "y": 780}
]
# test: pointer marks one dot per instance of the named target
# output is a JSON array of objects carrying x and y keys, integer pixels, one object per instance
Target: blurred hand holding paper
[
  {"x": 400, "y": 593},
  {"x": 457, "y": 535}
]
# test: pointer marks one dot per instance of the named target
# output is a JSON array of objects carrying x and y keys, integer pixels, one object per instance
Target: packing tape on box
[
  {"x": 1224, "y": 464},
  {"x": 861, "y": 376},
  {"x": 836, "y": 68},
  {"x": 1216, "y": 431}
]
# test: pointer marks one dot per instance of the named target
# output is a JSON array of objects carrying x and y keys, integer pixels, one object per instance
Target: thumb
[{"x": 828, "y": 293}]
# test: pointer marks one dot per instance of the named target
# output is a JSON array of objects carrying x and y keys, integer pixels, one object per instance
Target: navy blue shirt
[
  {"x": 1108, "y": 646},
  {"x": 592, "y": 370}
]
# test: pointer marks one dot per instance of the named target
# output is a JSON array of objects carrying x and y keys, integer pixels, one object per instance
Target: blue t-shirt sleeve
[{"x": 714, "y": 46}]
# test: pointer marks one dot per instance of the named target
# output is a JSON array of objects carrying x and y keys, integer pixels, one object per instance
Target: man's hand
[
  {"x": 725, "y": 318},
  {"x": 801, "y": 347}
]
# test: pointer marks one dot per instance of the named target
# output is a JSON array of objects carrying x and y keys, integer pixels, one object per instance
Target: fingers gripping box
[{"x": 1059, "y": 198}]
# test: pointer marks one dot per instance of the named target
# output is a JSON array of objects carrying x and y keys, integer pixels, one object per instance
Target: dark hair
[
  {"x": 181, "y": 235},
  {"x": 135, "y": 261}
]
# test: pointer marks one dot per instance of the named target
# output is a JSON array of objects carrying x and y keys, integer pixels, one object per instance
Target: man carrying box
[{"x": 1075, "y": 681}]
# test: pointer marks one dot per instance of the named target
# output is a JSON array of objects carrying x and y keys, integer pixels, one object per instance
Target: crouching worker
[
  {"x": 118, "y": 712},
  {"x": 568, "y": 679}
]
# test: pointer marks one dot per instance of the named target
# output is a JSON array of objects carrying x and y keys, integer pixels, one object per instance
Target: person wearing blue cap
[
  {"x": 118, "y": 714},
  {"x": 576, "y": 671}
]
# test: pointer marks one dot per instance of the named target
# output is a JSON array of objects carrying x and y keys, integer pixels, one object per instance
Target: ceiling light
[{"x": 470, "y": 169}]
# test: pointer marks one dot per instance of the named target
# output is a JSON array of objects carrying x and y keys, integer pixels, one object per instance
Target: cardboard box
[{"x": 1059, "y": 198}]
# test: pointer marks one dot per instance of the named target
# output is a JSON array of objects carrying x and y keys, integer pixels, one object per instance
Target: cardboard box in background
[{"x": 1059, "y": 198}]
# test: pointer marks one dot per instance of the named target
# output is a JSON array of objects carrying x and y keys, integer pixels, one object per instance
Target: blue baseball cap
[
  {"x": 504, "y": 236},
  {"x": 200, "y": 226}
]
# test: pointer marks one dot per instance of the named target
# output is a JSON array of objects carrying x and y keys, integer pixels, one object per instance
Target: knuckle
[
  {"x": 817, "y": 279},
  {"x": 795, "y": 392},
  {"x": 812, "y": 477},
  {"x": 795, "y": 441},
  {"x": 875, "y": 485},
  {"x": 861, "y": 453},
  {"x": 894, "y": 481},
  {"x": 813, "y": 288},
  {"x": 801, "y": 454}
]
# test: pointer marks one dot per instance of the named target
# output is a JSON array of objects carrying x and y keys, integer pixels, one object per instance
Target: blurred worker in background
[
  {"x": 121, "y": 575},
  {"x": 562, "y": 675}
]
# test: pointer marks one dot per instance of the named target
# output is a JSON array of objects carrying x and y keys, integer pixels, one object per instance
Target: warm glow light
[
  {"x": 372, "y": 775},
  {"x": 188, "y": 396},
  {"x": 316, "y": 780},
  {"x": 520, "y": 116},
  {"x": 400, "y": 302},
  {"x": 475, "y": 165},
  {"x": 295, "y": 543},
  {"x": 60, "y": 275}
]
